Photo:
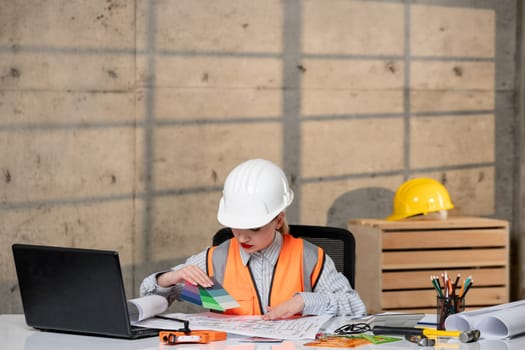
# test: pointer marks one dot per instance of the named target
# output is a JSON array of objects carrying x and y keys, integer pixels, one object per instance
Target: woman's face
[{"x": 256, "y": 239}]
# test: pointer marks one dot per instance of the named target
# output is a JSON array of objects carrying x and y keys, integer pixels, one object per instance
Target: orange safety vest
[{"x": 297, "y": 270}]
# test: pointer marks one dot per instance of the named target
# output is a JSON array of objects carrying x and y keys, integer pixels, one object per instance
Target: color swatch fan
[{"x": 215, "y": 297}]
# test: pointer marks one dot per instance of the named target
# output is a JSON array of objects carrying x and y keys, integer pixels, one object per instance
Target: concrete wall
[
  {"x": 519, "y": 212},
  {"x": 119, "y": 120}
]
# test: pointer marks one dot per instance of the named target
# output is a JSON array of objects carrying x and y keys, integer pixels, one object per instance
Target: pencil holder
[{"x": 447, "y": 306}]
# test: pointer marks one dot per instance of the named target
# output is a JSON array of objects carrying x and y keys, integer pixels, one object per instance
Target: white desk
[{"x": 16, "y": 335}]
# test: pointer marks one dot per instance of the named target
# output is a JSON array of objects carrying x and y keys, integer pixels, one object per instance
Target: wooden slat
[
  {"x": 444, "y": 259},
  {"x": 421, "y": 279},
  {"x": 444, "y": 239},
  {"x": 477, "y": 296},
  {"x": 425, "y": 310},
  {"x": 450, "y": 223},
  {"x": 414, "y": 310}
]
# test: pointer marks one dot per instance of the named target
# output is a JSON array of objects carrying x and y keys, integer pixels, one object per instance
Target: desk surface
[{"x": 16, "y": 335}]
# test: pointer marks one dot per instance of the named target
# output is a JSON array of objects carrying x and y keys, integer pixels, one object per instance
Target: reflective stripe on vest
[{"x": 297, "y": 258}]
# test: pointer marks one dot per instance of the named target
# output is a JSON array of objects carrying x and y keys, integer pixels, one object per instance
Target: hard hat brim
[{"x": 234, "y": 220}]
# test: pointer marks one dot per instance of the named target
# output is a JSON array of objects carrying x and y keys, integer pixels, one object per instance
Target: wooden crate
[{"x": 395, "y": 259}]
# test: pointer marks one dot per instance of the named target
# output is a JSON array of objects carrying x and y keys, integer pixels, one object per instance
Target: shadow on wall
[{"x": 368, "y": 202}]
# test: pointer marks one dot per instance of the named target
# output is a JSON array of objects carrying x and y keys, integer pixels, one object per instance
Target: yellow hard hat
[{"x": 420, "y": 196}]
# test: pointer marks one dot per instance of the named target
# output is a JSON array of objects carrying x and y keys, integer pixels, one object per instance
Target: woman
[{"x": 268, "y": 271}]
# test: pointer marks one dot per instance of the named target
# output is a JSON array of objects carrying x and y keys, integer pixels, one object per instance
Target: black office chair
[{"x": 338, "y": 243}]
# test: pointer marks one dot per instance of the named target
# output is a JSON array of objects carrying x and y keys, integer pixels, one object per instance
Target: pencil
[
  {"x": 435, "y": 283},
  {"x": 467, "y": 282},
  {"x": 456, "y": 283},
  {"x": 449, "y": 286},
  {"x": 467, "y": 288},
  {"x": 444, "y": 278}
]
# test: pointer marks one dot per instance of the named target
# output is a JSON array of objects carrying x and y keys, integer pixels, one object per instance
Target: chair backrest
[{"x": 338, "y": 243}]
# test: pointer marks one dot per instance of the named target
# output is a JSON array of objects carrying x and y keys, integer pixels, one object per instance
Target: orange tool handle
[{"x": 201, "y": 337}]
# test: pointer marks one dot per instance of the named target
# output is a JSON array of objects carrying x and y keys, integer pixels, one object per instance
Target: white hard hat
[{"x": 254, "y": 193}]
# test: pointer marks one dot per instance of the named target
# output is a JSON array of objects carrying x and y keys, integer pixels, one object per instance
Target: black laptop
[{"x": 74, "y": 290}]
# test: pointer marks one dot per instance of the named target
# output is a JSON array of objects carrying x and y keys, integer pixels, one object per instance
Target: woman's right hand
[{"x": 191, "y": 273}]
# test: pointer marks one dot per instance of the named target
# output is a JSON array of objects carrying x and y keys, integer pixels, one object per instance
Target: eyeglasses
[{"x": 353, "y": 328}]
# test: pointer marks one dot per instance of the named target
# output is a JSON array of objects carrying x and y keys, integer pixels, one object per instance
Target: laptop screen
[{"x": 72, "y": 289}]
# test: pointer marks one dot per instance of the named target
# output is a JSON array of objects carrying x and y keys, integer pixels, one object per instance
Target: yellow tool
[{"x": 464, "y": 336}]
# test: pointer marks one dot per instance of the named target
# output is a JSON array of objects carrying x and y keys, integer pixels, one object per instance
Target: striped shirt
[{"x": 332, "y": 295}]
